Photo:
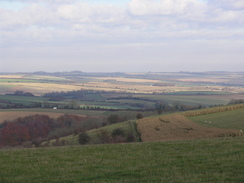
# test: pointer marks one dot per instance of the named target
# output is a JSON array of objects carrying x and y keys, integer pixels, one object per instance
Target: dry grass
[
  {"x": 130, "y": 88},
  {"x": 213, "y": 80},
  {"x": 40, "y": 88},
  {"x": 11, "y": 115},
  {"x": 177, "y": 127},
  {"x": 39, "y": 77},
  {"x": 11, "y": 76}
]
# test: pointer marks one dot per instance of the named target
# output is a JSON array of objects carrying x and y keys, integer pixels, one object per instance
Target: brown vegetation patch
[
  {"x": 11, "y": 115},
  {"x": 177, "y": 127}
]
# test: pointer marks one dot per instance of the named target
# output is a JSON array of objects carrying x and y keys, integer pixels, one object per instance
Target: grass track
[{"x": 215, "y": 161}]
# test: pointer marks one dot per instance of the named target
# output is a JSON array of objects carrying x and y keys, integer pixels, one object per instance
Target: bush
[
  {"x": 103, "y": 137},
  {"x": 83, "y": 138},
  {"x": 113, "y": 118},
  {"x": 139, "y": 116},
  {"x": 130, "y": 138},
  {"x": 118, "y": 132}
]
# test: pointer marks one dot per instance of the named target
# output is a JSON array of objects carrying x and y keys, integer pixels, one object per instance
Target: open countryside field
[
  {"x": 11, "y": 115},
  {"x": 178, "y": 126},
  {"x": 39, "y": 83},
  {"x": 31, "y": 77},
  {"x": 37, "y": 88},
  {"x": 193, "y": 99},
  {"x": 230, "y": 119},
  {"x": 213, "y": 161},
  {"x": 125, "y": 100}
]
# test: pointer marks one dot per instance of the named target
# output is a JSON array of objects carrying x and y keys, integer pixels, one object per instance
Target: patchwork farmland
[{"x": 154, "y": 112}]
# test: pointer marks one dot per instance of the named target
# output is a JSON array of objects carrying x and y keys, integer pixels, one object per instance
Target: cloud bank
[{"x": 101, "y": 36}]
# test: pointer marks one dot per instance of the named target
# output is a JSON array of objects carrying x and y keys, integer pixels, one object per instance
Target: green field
[
  {"x": 213, "y": 161},
  {"x": 229, "y": 119},
  {"x": 22, "y": 99},
  {"x": 189, "y": 99},
  {"x": 26, "y": 100},
  {"x": 128, "y": 113}
]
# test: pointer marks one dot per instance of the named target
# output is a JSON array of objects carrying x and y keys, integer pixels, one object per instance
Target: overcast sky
[{"x": 121, "y": 35}]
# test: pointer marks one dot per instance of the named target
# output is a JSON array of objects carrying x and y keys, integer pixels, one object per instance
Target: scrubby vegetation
[
  {"x": 42, "y": 130},
  {"x": 38, "y": 128}
]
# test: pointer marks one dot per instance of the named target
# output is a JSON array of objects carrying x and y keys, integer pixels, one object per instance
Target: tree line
[
  {"x": 34, "y": 129},
  {"x": 41, "y": 127}
]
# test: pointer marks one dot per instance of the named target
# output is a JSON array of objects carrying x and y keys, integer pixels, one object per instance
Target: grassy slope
[
  {"x": 178, "y": 126},
  {"x": 228, "y": 119},
  {"x": 127, "y": 127},
  {"x": 216, "y": 161}
]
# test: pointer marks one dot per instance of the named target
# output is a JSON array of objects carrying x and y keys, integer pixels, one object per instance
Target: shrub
[
  {"x": 83, "y": 138},
  {"x": 113, "y": 118},
  {"x": 118, "y": 139},
  {"x": 103, "y": 137},
  {"x": 130, "y": 138},
  {"x": 139, "y": 116},
  {"x": 118, "y": 132}
]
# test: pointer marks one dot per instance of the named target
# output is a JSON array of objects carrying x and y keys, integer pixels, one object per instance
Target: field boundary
[{"x": 213, "y": 110}]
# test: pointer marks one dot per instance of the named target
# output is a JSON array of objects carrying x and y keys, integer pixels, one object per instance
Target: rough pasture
[
  {"x": 11, "y": 115},
  {"x": 177, "y": 127}
]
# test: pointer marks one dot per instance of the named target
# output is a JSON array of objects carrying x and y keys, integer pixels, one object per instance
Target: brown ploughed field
[{"x": 177, "y": 127}]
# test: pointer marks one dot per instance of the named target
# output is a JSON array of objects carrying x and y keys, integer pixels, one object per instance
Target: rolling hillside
[
  {"x": 181, "y": 126},
  {"x": 184, "y": 156}
]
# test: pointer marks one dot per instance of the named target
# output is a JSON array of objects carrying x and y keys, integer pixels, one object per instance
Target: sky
[{"x": 121, "y": 35}]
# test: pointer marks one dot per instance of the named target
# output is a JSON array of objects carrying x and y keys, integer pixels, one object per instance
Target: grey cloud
[
  {"x": 227, "y": 4},
  {"x": 42, "y": 1},
  {"x": 143, "y": 32}
]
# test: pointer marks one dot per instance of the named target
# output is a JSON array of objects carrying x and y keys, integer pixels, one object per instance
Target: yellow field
[
  {"x": 11, "y": 76},
  {"x": 43, "y": 77},
  {"x": 124, "y": 87},
  {"x": 120, "y": 84},
  {"x": 40, "y": 88}
]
